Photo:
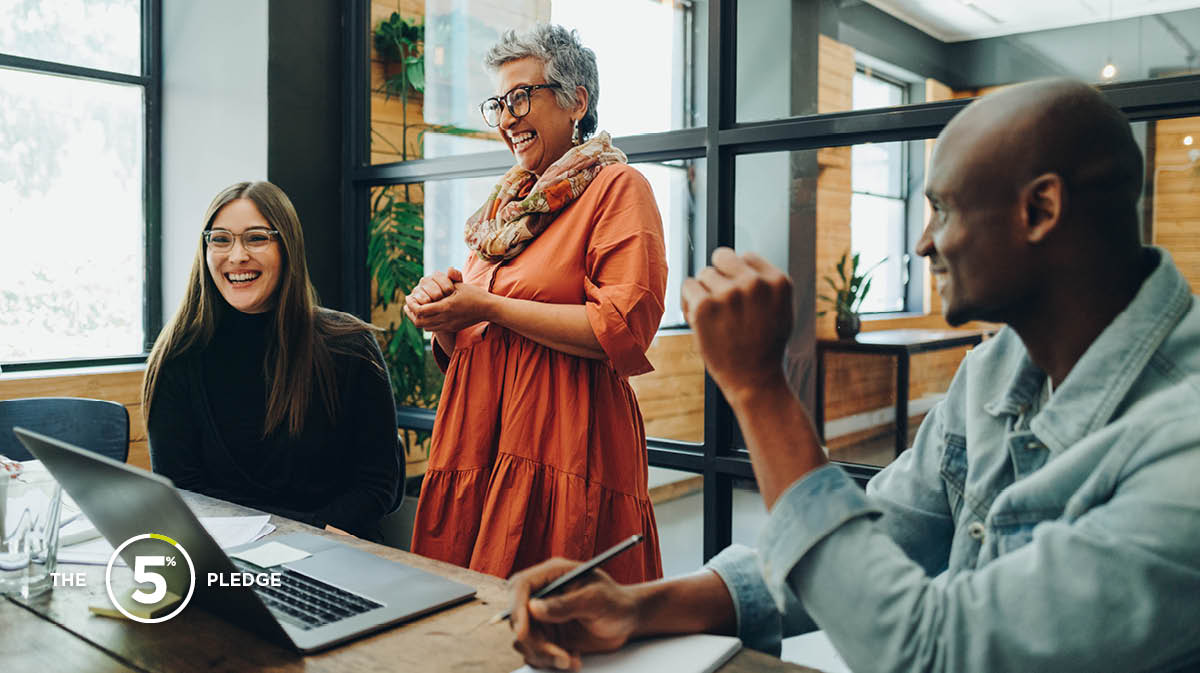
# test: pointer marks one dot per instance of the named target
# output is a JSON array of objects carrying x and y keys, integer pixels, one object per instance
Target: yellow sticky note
[{"x": 166, "y": 605}]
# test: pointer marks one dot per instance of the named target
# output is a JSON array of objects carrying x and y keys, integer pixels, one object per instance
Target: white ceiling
[{"x": 957, "y": 20}]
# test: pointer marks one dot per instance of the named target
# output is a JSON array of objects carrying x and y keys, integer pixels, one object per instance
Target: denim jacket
[{"x": 1070, "y": 542}]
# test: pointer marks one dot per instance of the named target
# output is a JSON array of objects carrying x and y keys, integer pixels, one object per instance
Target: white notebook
[{"x": 696, "y": 653}]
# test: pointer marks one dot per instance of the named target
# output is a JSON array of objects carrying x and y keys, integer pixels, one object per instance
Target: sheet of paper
[
  {"x": 815, "y": 651},
  {"x": 696, "y": 653},
  {"x": 231, "y": 531},
  {"x": 228, "y": 531},
  {"x": 76, "y": 530},
  {"x": 271, "y": 554}
]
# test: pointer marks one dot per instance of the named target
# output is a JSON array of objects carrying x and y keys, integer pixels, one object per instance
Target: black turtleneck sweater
[{"x": 206, "y": 431}]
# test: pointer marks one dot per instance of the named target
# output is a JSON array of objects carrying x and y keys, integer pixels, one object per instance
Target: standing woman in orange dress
[{"x": 539, "y": 448}]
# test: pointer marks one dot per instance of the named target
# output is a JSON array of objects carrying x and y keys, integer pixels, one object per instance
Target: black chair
[{"x": 96, "y": 425}]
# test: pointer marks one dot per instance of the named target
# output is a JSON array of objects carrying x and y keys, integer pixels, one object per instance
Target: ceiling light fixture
[
  {"x": 1187, "y": 141},
  {"x": 1109, "y": 71}
]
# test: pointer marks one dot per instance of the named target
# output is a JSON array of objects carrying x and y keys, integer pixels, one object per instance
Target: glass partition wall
[{"x": 797, "y": 128}]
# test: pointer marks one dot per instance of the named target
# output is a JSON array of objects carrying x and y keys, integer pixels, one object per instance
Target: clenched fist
[{"x": 740, "y": 311}]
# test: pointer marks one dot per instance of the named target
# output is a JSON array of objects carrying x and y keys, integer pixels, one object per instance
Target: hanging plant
[{"x": 401, "y": 42}]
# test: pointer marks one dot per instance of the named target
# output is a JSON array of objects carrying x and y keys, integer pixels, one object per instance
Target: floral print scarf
[{"x": 522, "y": 205}]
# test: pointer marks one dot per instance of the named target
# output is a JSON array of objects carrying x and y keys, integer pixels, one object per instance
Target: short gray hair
[{"x": 568, "y": 64}]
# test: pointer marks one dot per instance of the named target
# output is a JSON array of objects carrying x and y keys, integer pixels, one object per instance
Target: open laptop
[{"x": 336, "y": 594}]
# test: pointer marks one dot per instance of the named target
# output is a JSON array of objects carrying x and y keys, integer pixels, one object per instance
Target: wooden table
[
  {"x": 901, "y": 343},
  {"x": 55, "y": 631}
]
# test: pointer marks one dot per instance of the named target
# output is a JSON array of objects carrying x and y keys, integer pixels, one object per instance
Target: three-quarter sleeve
[{"x": 625, "y": 270}]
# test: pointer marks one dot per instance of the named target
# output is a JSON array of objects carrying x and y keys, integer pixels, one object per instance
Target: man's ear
[{"x": 1043, "y": 201}]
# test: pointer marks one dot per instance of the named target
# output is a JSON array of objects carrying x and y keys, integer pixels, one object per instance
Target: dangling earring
[{"x": 575, "y": 139}]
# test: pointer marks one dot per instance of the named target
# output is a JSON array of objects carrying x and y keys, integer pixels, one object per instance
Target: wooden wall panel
[
  {"x": 835, "y": 77},
  {"x": 119, "y": 384},
  {"x": 671, "y": 397},
  {"x": 1177, "y": 194},
  {"x": 388, "y": 113}
]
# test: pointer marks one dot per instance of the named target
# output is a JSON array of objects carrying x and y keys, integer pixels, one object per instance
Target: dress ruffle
[{"x": 552, "y": 462}]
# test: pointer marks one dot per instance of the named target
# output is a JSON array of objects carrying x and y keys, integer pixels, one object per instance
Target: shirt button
[
  {"x": 975, "y": 530},
  {"x": 1033, "y": 446}
]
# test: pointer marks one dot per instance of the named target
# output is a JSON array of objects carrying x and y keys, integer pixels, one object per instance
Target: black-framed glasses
[
  {"x": 222, "y": 240},
  {"x": 517, "y": 100}
]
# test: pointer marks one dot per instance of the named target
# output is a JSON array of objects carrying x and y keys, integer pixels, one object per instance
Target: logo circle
[{"x": 117, "y": 553}]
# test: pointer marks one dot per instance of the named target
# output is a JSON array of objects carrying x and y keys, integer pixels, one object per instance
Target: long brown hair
[{"x": 298, "y": 358}]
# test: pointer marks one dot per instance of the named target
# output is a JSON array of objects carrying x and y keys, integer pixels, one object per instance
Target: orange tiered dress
[{"x": 537, "y": 453}]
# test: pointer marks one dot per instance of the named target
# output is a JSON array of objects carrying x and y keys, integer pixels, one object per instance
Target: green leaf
[
  {"x": 861, "y": 296},
  {"x": 416, "y": 74}
]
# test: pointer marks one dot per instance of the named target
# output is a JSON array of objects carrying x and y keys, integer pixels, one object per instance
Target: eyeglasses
[
  {"x": 256, "y": 240},
  {"x": 517, "y": 101}
]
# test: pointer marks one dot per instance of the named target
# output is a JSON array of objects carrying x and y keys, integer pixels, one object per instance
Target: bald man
[{"x": 1047, "y": 517}]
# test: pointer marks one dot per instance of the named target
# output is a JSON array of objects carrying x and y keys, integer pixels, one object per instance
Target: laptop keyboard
[{"x": 307, "y": 603}]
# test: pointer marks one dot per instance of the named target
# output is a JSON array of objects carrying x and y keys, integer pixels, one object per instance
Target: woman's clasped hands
[{"x": 442, "y": 302}]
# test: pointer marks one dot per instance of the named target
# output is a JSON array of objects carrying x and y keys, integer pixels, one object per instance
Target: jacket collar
[{"x": 1097, "y": 383}]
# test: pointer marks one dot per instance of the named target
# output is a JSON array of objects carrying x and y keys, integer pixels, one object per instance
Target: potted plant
[{"x": 849, "y": 293}]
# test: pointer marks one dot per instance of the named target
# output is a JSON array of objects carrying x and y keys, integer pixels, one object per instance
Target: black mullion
[
  {"x": 678, "y": 144},
  {"x": 695, "y": 448},
  {"x": 916, "y": 122},
  {"x": 1140, "y": 101},
  {"x": 689, "y": 461},
  {"x": 53, "y": 68},
  {"x": 356, "y": 288},
  {"x": 1157, "y": 98},
  {"x": 859, "y": 472},
  {"x": 441, "y": 168},
  {"x": 665, "y": 146},
  {"x": 152, "y": 308},
  {"x": 736, "y": 466},
  {"x": 38, "y": 365},
  {"x": 719, "y": 172},
  {"x": 415, "y": 418},
  {"x": 718, "y": 512}
]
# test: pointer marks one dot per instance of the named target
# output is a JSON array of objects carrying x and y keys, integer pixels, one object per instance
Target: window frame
[
  {"x": 905, "y": 199},
  {"x": 719, "y": 458},
  {"x": 150, "y": 80}
]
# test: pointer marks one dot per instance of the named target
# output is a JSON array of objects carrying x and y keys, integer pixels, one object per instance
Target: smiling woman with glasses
[
  {"x": 539, "y": 449},
  {"x": 516, "y": 100},
  {"x": 253, "y": 239},
  {"x": 252, "y": 390}
]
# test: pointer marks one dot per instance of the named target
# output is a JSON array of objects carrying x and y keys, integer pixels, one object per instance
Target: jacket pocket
[{"x": 954, "y": 469}]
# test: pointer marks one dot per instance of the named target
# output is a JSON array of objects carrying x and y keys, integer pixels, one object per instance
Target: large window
[
  {"x": 78, "y": 276},
  {"x": 879, "y": 201}
]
